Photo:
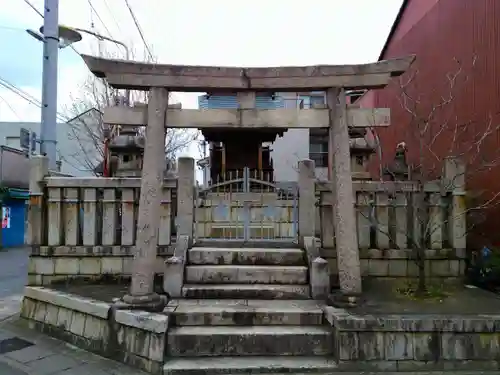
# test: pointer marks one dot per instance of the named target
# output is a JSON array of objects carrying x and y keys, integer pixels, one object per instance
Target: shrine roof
[{"x": 141, "y": 76}]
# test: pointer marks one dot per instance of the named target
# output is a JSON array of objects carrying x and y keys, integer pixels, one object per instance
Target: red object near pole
[{"x": 105, "y": 168}]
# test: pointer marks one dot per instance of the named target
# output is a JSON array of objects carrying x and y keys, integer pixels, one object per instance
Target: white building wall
[
  {"x": 78, "y": 146},
  {"x": 289, "y": 149}
]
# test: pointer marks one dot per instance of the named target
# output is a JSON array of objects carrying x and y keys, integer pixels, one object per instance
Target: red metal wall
[{"x": 465, "y": 30}]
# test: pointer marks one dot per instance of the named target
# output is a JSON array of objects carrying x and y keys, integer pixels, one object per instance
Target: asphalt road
[
  {"x": 13, "y": 276},
  {"x": 13, "y": 271}
]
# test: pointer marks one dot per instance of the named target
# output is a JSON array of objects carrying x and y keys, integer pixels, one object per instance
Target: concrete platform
[
  {"x": 250, "y": 291},
  {"x": 244, "y": 312},
  {"x": 191, "y": 341},
  {"x": 247, "y": 274}
]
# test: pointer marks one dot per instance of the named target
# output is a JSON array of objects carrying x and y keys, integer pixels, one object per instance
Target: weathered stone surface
[
  {"x": 90, "y": 266},
  {"x": 157, "y": 346},
  {"x": 398, "y": 346},
  {"x": 248, "y": 365},
  {"x": 246, "y": 256},
  {"x": 260, "y": 291},
  {"x": 95, "y": 328},
  {"x": 320, "y": 278},
  {"x": 66, "y": 266},
  {"x": 111, "y": 265},
  {"x": 77, "y": 324},
  {"x": 245, "y": 312},
  {"x": 146, "y": 321},
  {"x": 253, "y": 340},
  {"x": 133, "y": 340},
  {"x": 173, "y": 277},
  {"x": 246, "y": 274},
  {"x": 51, "y": 314},
  {"x": 68, "y": 301},
  {"x": 43, "y": 266}
]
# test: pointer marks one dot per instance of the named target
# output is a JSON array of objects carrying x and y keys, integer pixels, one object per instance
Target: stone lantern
[
  {"x": 127, "y": 149},
  {"x": 361, "y": 151}
]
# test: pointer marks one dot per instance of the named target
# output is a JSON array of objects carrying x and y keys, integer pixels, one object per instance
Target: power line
[
  {"x": 138, "y": 26},
  {"x": 99, "y": 17},
  {"x": 113, "y": 16},
  {"x": 10, "y": 107},
  {"x": 26, "y": 96},
  {"x": 32, "y": 100},
  {"x": 33, "y": 7}
]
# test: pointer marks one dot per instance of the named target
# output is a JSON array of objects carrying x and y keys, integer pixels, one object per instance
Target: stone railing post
[
  {"x": 307, "y": 200},
  {"x": 454, "y": 181},
  {"x": 39, "y": 169},
  {"x": 185, "y": 197}
]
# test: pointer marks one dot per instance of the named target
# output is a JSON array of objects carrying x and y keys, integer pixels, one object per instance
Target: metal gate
[{"x": 244, "y": 206}]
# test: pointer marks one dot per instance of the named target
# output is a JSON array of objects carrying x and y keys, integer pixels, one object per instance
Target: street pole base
[{"x": 150, "y": 302}]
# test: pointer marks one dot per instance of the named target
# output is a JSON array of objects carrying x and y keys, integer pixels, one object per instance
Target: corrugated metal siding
[
  {"x": 453, "y": 29},
  {"x": 231, "y": 102}
]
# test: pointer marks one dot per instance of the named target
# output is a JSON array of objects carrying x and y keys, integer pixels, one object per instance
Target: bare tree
[
  {"x": 434, "y": 132},
  {"x": 89, "y": 132}
]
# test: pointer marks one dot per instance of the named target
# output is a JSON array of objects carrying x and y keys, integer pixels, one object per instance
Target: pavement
[
  {"x": 26, "y": 352},
  {"x": 13, "y": 276}
]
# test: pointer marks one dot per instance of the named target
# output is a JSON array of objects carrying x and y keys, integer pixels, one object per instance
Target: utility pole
[{"x": 48, "y": 137}]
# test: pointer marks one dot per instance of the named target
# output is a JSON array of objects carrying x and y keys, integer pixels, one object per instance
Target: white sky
[{"x": 216, "y": 32}]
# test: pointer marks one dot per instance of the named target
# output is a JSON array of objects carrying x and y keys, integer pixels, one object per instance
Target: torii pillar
[
  {"x": 142, "y": 292},
  {"x": 346, "y": 241}
]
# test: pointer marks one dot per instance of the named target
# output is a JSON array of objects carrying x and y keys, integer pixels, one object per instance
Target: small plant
[
  {"x": 432, "y": 292},
  {"x": 484, "y": 270}
]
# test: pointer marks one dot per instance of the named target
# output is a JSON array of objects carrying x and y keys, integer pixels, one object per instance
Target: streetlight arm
[{"x": 99, "y": 36}]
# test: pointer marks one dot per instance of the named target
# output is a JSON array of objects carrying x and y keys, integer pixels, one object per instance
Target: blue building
[
  {"x": 263, "y": 101},
  {"x": 14, "y": 217}
]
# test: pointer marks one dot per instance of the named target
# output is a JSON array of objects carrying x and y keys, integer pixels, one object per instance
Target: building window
[
  {"x": 318, "y": 150},
  {"x": 317, "y": 100}
]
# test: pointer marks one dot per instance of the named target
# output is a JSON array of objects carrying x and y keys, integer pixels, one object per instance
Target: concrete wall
[{"x": 13, "y": 166}]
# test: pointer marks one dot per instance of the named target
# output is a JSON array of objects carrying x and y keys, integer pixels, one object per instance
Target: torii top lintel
[{"x": 126, "y": 74}]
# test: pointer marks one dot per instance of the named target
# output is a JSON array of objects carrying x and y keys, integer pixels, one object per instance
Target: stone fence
[
  {"x": 394, "y": 219},
  {"x": 85, "y": 228}
]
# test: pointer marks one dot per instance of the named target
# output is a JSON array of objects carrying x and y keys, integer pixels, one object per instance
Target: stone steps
[
  {"x": 254, "y": 274},
  {"x": 246, "y": 272},
  {"x": 244, "y": 312},
  {"x": 278, "y": 340},
  {"x": 248, "y": 365},
  {"x": 246, "y": 291},
  {"x": 246, "y": 256}
]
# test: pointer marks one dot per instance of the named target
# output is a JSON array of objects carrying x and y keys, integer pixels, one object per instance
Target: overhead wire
[
  {"x": 139, "y": 29},
  {"x": 10, "y": 107},
  {"x": 113, "y": 16},
  {"x": 33, "y": 7},
  {"x": 99, "y": 17},
  {"x": 32, "y": 100}
]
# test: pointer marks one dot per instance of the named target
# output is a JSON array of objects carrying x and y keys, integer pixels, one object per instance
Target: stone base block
[
  {"x": 320, "y": 279},
  {"x": 173, "y": 278},
  {"x": 134, "y": 337},
  {"x": 414, "y": 342}
]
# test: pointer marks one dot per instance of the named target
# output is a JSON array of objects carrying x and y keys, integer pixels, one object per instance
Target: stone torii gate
[{"x": 161, "y": 79}]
